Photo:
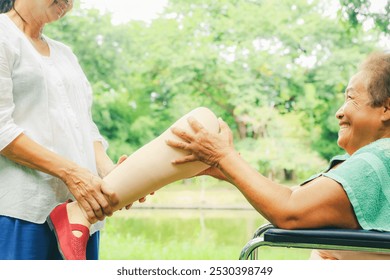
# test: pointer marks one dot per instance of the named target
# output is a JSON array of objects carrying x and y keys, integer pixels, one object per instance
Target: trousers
[{"x": 22, "y": 240}]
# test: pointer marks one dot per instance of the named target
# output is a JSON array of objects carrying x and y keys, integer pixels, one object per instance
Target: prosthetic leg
[{"x": 142, "y": 173}]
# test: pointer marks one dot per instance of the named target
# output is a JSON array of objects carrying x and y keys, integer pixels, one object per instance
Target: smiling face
[
  {"x": 47, "y": 11},
  {"x": 40, "y": 12},
  {"x": 58, "y": 8},
  {"x": 360, "y": 123}
]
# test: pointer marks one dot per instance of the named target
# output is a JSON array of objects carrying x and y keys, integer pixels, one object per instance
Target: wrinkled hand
[
  {"x": 213, "y": 172},
  {"x": 204, "y": 146},
  {"x": 91, "y": 192}
]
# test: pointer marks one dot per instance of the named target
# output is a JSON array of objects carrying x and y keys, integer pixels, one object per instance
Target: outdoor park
[
  {"x": 202, "y": 220},
  {"x": 275, "y": 71}
]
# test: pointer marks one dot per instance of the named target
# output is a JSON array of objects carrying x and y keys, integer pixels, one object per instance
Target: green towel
[{"x": 365, "y": 177}]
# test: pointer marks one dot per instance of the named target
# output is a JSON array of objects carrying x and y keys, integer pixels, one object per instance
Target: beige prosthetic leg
[
  {"x": 150, "y": 167},
  {"x": 143, "y": 172}
]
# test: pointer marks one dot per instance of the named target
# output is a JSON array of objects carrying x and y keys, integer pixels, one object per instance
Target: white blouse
[{"x": 48, "y": 99}]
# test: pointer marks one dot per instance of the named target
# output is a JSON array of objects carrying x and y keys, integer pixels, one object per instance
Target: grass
[{"x": 155, "y": 231}]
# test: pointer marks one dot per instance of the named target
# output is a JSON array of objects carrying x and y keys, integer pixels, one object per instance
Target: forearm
[
  {"x": 29, "y": 153},
  {"x": 104, "y": 164},
  {"x": 267, "y": 197},
  {"x": 322, "y": 202},
  {"x": 87, "y": 188}
]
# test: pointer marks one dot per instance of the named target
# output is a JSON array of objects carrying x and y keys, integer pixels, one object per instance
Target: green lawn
[{"x": 190, "y": 232}]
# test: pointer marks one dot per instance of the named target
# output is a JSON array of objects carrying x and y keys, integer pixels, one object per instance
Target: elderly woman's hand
[
  {"x": 91, "y": 192},
  {"x": 204, "y": 146},
  {"x": 213, "y": 172}
]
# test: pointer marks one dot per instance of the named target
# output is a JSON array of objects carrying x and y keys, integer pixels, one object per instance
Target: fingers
[
  {"x": 87, "y": 195},
  {"x": 88, "y": 210},
  {"x": 141, "y": 200},
  {"x": 101, "y": 201},
  {"x": 201, "y": 144},
  {"x": 105, "y": 199},
  {"x": 100, "y": 207},
  {"x": 223, "y": 126},
  {"x": 182, "y": 134},
  {"x": 111, "y": 195},
  {"x": 177, "y": 144},
  {"x": 90, "y": 191},
  {"x": 195, "y": 125},
  {"x": 121, "y": 159},
  {"x": 225, "y": 130},
  {"x": 185, "y": 159}
]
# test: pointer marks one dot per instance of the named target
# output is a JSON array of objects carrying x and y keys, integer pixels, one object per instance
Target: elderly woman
[
  {"x": 50, "y": 149},
  {"x": 343, "y": 196},
  {"x": 354, "y": 192}
]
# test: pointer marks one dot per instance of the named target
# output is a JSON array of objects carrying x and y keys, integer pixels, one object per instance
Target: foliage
[
  {"x": 274, "y": 70},
  {"x": 358, "y": 12},
  {"x": 287, "y": 158}
]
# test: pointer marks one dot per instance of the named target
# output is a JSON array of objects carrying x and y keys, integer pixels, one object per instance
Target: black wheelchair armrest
[{"x": 328, "y": 238}]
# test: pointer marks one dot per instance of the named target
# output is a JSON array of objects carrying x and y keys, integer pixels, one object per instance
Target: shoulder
[
  {"x": 5, "y": 28},
  {"x": 3, "y": 22},
  {"x": 381, "y": 145},
  {"x": 8, "y": 39},
  {"x": 369, "y": 163},
  {"x": 375, "y": 153},
  {"x": 365, "y": 177},
  {"x": 11, "y": 41},
  {"x": 337, "y": 159}
]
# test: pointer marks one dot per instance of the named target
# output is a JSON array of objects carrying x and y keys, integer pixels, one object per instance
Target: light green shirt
[{"x": 365, "y": 177}]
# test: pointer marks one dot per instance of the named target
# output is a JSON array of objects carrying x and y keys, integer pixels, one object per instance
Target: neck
[{"x": 26, "y": 22}]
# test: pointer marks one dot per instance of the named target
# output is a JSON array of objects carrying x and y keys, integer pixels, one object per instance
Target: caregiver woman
[{"x": 50, "y": 149}]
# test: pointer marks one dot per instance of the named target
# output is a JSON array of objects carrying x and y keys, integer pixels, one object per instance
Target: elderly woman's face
[
  {"x": 61, "y": 7},
  {"x": 54, "y": 9},
  {"x": 360, "y": 124}
]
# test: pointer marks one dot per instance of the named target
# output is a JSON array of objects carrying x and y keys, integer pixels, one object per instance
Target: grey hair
[{"x": 377, "y": 67}]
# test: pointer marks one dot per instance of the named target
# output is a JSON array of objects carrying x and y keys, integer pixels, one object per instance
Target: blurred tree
[
  {"x": 264, "y": 66},
  {"x": 360, "y": 12}
]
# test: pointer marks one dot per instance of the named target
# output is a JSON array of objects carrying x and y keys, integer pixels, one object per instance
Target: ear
[{"x": 386, "y": 111}]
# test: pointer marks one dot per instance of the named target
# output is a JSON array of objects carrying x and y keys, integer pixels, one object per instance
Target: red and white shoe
[{"x": 70, "y": 246}]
